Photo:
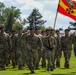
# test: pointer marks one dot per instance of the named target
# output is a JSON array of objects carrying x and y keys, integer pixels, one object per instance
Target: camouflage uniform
[
  {"x": 32, "y": 45},
  {"x": 74, "y": 42},
  {"x": 66, "y": 44},
  {"x": 13, "y": 52},
  {"x": 18, "y": 47},
  {"x": 3, "y": 48},
  {"x": 24, "y": 48},
  {"x": 54, "y": 43},
  {"x": 47, "y": 42},
  {"x": 39, "y": 51},
  {"x": 58, "y": 51},
  {"x": 7, "y": 53},
  {"x": 43, "y": 55}
]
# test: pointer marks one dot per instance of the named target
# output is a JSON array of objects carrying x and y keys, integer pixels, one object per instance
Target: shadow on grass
[
  {"x": 25, "y": 73},
  {"x": 72, "y": 73},
  {"x": 59, "y": 74}
]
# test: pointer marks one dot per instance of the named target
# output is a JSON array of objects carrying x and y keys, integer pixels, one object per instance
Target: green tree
[
  {"x": 12, "y": 15},
  {"x": 73, "y": 24},
  {"x": 2, "y": 18},
  {"x": 16, "y": 25},
  {"x": 35, "y": 18}
]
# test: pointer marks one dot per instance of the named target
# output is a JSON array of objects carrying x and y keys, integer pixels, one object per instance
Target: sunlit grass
[{"x": 58, "y": 71}]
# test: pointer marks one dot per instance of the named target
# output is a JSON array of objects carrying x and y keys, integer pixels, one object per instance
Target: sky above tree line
[{"x": 47, "y": 8}]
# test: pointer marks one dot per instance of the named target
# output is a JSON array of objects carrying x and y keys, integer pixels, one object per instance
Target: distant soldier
[
  {"x": 66, "y": 43},
  {"x": 74, "y": 42},
  {"x": 13, "y": 51},
  {"x": 47, "y": 42},
  {"x": 32, "y": 44},
  {"x": 58, "y": 51},
  {"x": 44, "y": 51},
  {"x": 54, "y": 43},
  {"x": 37, "y": 33},
  {"x": 18, "y": 47},
  {"x": 3, "y": 47}
]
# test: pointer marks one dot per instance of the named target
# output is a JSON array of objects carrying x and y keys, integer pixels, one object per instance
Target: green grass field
[{"x": 58, "y": 71}]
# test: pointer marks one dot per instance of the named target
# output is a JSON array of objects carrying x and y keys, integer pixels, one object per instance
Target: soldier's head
[
  {"x": 43, "y": 32},
  {"x": 20, "y": 30},
  {"x": 47, "y": 31},
  {"x": 67, "y": 31},
  {"x": 2, "y": 29},
  {"x": 52, "y": 32},
  {"x": 13, "y": 32},
  {"x": 37, "y": 30},
  {"x": 57, "y": 32},
  {"x": 32, "y": 31}
]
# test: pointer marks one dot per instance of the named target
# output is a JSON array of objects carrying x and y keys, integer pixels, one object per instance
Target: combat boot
[
  {"x": 32, "y": 72},
  {"x": 2, "y": 67},
  {"x": 66, "y": 65},
  {"x": 51, "y": 68},
  {"x": 13, "y": 66},
  {"x": 57, "y": 64},
  {"x": 20, "y": 67}
]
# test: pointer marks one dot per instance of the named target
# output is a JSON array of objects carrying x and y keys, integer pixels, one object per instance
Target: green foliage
[
  {"x": 16, "y": 25},
  {"x": 2, "y": 7},
  {"x": 73, "y": 24},
  {"x": 35, "y": 18},
  {"x": 12, "y": 15}
]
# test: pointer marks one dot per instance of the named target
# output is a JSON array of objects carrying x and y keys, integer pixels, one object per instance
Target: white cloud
[
  {"x": 1, "y": 0},
  {"x": 46, "y": 7}
]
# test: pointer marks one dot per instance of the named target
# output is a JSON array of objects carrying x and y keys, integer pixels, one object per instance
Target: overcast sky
[{"x": 46, "y": 7}]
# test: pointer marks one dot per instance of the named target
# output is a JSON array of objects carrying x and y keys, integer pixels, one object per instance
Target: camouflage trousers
[
  {"x": 13, "y": 58},
  {"x": 44, "y": 58},
  {"x": 49, "y": 57},
  {"x": 39, "y": 56},
  {"x": 32, "y": 60},
  {"x": 6, "y": 57},
  {"x": 67, "y": 55},
  {"x": 75, "y": 51},
  {"x": 58, "y": 54},
  {"x": 19, "y": 57},
  {"x": 2, "y": 58}
]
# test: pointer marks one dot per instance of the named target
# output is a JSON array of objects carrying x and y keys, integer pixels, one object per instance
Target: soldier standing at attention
[
  {"x": 58, "y": 51},
  {"x": 18, "y": 47},
  {"x": 13, "y": 51},
  {"x": 74, "y": 42},
  {"x": 66, "y": 43},
  {"x": 44, "y": 51},
  {"x": 3, "y": 47},
  {"x": 37, "y": 33},
  {"x": 32, "y": 44},
  {"x": 47, "y": 42},
  {"x": 54, "y": 43}
]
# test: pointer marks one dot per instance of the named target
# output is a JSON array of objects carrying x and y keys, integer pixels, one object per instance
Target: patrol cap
[
  {"x": 52, "y": 30},
  {"x": 57, "y": 31},
  {"x": 47, "y": 30},
  {"x": 1, "y": 27},
  {"x": 67, "y": 29},
  {"x": 31, "y": 28},
  {"x": 42, "y": 31},
  {"x": 13, "y": 31},
  {"x": 19, "y": 28},
  {"x": 37, "y": 28}
]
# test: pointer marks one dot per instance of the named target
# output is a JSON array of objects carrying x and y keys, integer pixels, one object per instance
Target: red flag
[{"x": 67, "y": 8}]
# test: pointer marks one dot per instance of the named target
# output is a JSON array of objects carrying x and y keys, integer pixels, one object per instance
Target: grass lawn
[{"x": 58, "y": 71}]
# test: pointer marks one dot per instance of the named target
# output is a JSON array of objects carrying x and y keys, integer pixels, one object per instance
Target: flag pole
[
  {"x": 56, "y": 16},
  {"x": 55, "y": 19}
]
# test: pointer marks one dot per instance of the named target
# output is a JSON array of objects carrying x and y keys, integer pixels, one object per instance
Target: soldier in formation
[{"x": 28, "y": 48}]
